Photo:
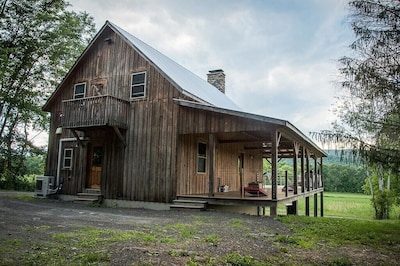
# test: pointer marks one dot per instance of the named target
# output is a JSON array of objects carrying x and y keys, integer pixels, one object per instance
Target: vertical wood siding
[
  {"x": 144, "y": 169},
  {"x": 191, "y": 182}
]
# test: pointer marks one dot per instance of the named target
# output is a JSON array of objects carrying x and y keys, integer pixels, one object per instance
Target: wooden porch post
[
  {"x": 303, "y": 152},
  {"x": 296, "y": 147},
  {"x": 315, "y": 177},
  {"x": 308, "y": 183},
  {"x": 315, "y": 204},
  {"x": 322, "y": 204},
  {"x": 322, "y": 193},
  {"x": 211, "y": 143},
  {"x": 321, "y": 174},
  {"x": 274, "y": 185}
]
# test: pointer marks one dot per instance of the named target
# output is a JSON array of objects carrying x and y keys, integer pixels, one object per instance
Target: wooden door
[{"x": 95, "y": 156}]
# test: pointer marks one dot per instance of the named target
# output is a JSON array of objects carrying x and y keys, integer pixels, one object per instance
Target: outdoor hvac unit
[{"x": 44, "y": 185}]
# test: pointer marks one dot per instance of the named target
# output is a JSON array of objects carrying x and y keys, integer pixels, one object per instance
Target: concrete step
[
  {"x": 86, "y": 201},
  {"x": 92, "y": 191},
  {"x": 184, "y": 204},
  {"x": 89, "y": 197}
]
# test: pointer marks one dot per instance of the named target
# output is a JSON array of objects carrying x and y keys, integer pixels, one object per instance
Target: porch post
[
  {"x": 322, "y": 204},
  {"x": 296, "y": 147},
  {"x": 321, "y": 174},
  {"x": 274, "y": 154},
  {"x": 315, "y": 204},
  {"x": 322, "y": 193},
  {"x": 307, "y": 182},
  {"x": 211, "y": 143},
  {"x": 315, "y": 178},
  {"x": 303, "y": 152}
]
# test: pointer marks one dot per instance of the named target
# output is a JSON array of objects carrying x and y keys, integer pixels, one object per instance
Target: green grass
[
  {"x": 346, "y": 205},
  {"x": 310, "y": 232}
]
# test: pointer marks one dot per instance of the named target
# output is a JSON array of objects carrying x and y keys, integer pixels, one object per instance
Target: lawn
[
  {"x": 347, "y": 235},
  {"x": 346, "y": 205}
]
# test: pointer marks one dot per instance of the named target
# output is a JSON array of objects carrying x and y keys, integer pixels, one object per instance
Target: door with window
[{"x": 95, "y": 161}]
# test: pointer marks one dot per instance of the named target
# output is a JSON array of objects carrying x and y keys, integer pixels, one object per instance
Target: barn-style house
[{"x": 129, "y": 124}]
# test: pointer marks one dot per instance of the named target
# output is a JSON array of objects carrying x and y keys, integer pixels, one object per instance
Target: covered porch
[{"x": 237, "y": 145}]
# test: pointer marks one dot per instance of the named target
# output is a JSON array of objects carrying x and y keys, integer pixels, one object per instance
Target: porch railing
[{"x": 104, "y": 110}]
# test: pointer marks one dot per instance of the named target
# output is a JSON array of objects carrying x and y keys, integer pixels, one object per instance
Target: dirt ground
[{"x": 240, "y": 235}]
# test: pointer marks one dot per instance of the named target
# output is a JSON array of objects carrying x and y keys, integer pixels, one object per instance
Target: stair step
[
  {"x": 187, "y": 206},
  {"x": 92, "y": 191},
  {"x": 89, "y": 195},
  {"x": 85, "y": 200},
  {"x": 190, "y": 201}
]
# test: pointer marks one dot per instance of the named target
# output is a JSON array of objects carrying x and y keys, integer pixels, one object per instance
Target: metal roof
[{"x": 189, "y": 83}]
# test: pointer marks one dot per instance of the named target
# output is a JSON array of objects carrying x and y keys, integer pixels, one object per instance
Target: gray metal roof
[{"x": 189, "y": 83}]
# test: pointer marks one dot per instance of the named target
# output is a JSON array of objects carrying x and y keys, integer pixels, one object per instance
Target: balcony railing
[{"x": 104, "y": 110}]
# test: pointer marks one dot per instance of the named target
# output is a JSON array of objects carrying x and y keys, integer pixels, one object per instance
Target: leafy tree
[
  {"x": 369, "y": 113},
  {"x": 39, "y": 41},
  {"x": 344, "y": 178}
]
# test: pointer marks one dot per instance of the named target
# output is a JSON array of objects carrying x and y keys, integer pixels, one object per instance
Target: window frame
[
  {"x": 201, "y": 157},
  {"x": 144, "y": 84},
  {"x": 68, "y": 158},
  {"x": 80, "y": 95}
]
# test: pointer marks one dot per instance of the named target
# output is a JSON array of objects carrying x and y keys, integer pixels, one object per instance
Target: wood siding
[
  {"x": 195, "y": 121},
  {"x": 226, "y": 168},
  {"x": 144, "y": 169}
]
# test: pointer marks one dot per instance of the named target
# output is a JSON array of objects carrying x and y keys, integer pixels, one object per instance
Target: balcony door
[{"x": 95, "y": 162}]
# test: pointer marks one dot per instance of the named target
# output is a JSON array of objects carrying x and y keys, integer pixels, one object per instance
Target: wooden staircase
[
  {"x": 89, "y": 196},
  {"x": 189, "y": 204}
]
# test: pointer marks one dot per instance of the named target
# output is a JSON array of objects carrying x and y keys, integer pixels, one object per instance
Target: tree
[
  {"x": 39, "y": 41},
  {"x": 369, "y": 113}
]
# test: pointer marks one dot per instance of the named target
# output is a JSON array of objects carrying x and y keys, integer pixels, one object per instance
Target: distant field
[{"x": 347, "y": 205}]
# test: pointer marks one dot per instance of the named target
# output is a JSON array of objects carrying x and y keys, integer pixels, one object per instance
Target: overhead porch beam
[{"x": 119, "y": 134}]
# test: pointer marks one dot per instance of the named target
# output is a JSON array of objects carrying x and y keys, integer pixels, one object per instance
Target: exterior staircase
[
  {"x": 89, "y": 196},
  {"x": 189, "y": 204}
]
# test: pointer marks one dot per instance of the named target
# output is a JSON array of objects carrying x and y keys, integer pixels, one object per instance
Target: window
[
  {"x": 201, "y": 157},
  {"x": 67, "y": 162},
  {"x": 79, "y": 90},
  {"x": 138, "y": 85}
]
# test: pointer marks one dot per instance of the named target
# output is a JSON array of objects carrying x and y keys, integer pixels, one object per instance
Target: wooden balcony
[{"x": 104, "y": 110}]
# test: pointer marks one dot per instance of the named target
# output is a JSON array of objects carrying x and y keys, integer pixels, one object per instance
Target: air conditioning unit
[{"x": 44, "y": 186}]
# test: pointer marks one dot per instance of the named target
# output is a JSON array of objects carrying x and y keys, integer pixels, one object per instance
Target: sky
[{"x": 280, "y": 57}]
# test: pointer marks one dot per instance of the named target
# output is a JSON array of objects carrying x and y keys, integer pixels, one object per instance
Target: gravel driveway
[{"x": 34, "y": 223}]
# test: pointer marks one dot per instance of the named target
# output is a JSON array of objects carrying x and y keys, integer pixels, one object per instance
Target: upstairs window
[
  {"x": 79, "y": 90},
  {"x": 201, "y": 157},
  {"x": 138, "y": 85}
]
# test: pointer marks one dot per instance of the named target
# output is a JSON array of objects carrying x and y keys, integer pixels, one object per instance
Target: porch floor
[{"x": 235, "y": 197}]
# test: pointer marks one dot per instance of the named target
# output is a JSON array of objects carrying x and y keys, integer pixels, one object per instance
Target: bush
[{"x": 19, "y": 183}]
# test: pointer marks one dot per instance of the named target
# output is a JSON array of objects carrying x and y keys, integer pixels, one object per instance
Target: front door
[{"x": 95, "y": 156}]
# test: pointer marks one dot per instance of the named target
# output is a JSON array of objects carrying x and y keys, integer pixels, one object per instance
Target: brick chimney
[{"x": 217, "y": 79}]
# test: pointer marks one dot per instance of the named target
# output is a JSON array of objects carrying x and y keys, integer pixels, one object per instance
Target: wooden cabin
[{"x": 133, "y": 125}]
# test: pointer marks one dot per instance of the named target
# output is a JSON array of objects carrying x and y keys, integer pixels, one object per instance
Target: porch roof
[{"x": 257, "y": 139}]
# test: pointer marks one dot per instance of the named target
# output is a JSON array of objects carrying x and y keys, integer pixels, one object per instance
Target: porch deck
[{"x": 235, "y": 197}]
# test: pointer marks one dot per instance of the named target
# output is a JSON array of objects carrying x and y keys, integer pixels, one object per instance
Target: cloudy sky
[{"x": 279, "y": 56}]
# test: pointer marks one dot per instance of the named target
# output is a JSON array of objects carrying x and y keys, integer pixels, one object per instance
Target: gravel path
[{"x": 235, "y": 233}]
